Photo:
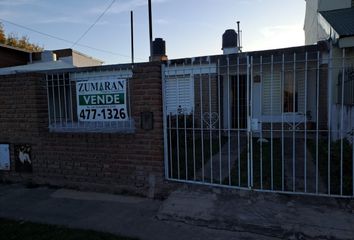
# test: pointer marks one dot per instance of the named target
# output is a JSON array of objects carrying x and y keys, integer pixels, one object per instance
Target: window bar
[
  {"x": 317, "y": 115},
  {"x": 185, "y": 145},
  {"x": 110, "y": 122},
  {"x": 77, "y": 79},
  {"x": 271, "y": 123},
  {"x": 210, "y": 126},
  {"x": 342, "y": 123},
  {"x": 71, "y": 101},
  {"x": 74, "y": 85},
  {"x": 250, "y": 115},
  {"x": 193, "y": 126},
  {"x": 238, "y": 121},
  {"x": 54, "y": 102},
  {"x": 126, "y": 77},
  {"x": 294, "y": 128},
  {"x": 305, "y": 126},
  {"x": 261, "y": 133},
  {"x": 59, "y": 99},
  {"x": 87, "y": 74},
  {"x": 170, "y": 144},
  {"x": 201, "y": 115},
  {"x": 219, "y": 112},
  {"x": 48, "y": 100},
  {"x": 185, "y": 135},
  {"x": 353, "y": 161},
  {"x": 177, "y": 124},
  {"x": 329, "y": 87},
  {"x": 228, "y": 118},
  {"x": 282, "y": 89},
  {"x": 65, "y": 107}
]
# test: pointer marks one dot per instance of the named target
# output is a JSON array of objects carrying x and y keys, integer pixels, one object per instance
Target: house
[
  {"x": 265, "y": 120},
  {"x": 334, "y": 21},
  {"x": 289, "y": 88},
  {"x": 14, "y": 60},
  {"x": 12, "y": 56}
]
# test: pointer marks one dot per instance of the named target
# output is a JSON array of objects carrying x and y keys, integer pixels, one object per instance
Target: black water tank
[
  {"x": 229, "y": 39},
  {"x": 158, "y": 47}
]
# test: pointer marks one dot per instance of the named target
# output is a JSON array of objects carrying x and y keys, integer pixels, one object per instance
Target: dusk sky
[{"x": 190, "y": 27}]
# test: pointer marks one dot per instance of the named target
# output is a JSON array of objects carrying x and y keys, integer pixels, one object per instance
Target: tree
[
  {"x": 2, "y": 34},
  {"x": 14, "y": 41}
]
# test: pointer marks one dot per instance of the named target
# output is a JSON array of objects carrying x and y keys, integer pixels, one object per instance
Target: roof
[
  {"x": 300, "y": 51},
  {"x": 341, "y": 20},
  {"x": 68, "y": 52},
  {"x": 35, "y": 67},
  {"x": 14, "y": 48}
]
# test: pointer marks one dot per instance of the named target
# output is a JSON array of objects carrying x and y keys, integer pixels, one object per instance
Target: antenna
[
  {"x": 238, "y": 36},
  {"x": 150, "y": 28},
  {"x": 132, "y": 35}
]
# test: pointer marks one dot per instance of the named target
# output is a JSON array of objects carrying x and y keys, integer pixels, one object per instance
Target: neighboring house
[
  {"x": 315, "y": 27},
  {"x": 76, "y": 58},
  {"x": 14, "y": 60},
  {"x": 334, "y": 21},
  {"x": 11, "y": 56}
]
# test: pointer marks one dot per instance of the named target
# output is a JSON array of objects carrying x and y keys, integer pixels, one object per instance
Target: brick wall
[{"x": 111, "y": 162}]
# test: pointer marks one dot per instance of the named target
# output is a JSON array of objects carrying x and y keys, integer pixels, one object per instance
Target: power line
[
  {"x": 65, "y": 40},
  {"x": 92, "y": 25},
  {"x": 33, "y": 30}
]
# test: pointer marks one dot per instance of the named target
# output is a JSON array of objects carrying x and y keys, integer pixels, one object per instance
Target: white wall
[
  {"x": 340, "y": 130},
  {"x": 336, "y": 111},
  {"x": 312, "y": 27}
]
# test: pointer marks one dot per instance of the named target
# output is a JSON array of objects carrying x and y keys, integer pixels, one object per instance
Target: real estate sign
[{"x": 102, "y": 100}]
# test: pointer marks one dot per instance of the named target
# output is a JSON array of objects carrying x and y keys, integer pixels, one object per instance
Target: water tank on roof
[
  {"x": 159, "y": 50},
  {"x": 158, "y": 47},
  {"x": 229, "y": 41}
]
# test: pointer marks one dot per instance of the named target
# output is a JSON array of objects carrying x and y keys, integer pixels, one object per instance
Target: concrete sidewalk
[
  {"x": 268, "y": 214},
  {"x": 128, "y": 216},
  {"x": 192, "y": 212}
]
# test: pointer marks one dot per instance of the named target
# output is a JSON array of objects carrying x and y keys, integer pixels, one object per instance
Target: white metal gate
[{"x": 261, "y": 121}]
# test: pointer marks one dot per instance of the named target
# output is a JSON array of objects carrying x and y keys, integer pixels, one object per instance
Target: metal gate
[{"x": 261, "y": 121}]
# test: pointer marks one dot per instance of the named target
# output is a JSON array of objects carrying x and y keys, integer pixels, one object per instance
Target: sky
[{"x": 190, "y": 28}]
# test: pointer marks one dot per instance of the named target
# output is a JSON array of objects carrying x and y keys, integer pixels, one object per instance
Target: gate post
[
  {"x": 249, "y": 130},
  {"x": 164, "y": 120}
]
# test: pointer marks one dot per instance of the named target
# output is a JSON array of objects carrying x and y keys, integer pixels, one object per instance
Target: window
[
  {"x": 98, "y": 110},
  {"x": 179, "y": 94},
  {"x": 271, "y": 93}
]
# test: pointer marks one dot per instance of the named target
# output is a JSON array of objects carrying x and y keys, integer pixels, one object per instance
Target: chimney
[
  {"x": 230, "y": 43},
  {"x": 159, "y": 50}
]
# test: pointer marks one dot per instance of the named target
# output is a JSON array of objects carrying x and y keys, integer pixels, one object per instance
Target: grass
[
  {"x": 264, "y": 180},
  {"x": 20, "y": 230},
  {"x": 335, "y": 164},
  {"x": 191, "y": 152},
  {"x": 188, "y": 150}
]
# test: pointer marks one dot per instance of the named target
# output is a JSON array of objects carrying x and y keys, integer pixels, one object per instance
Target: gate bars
[{"x": 268, "y": 121}]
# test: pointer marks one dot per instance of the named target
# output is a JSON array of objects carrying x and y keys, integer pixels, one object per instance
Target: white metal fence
[{"x": 267, "y": 121}]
